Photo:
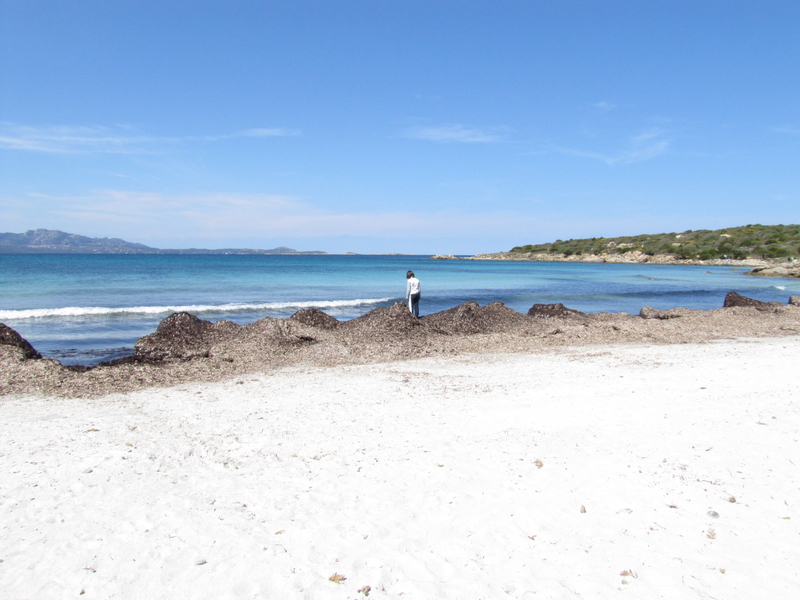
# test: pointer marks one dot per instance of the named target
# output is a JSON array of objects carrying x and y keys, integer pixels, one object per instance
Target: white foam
[{"x": 81, "y": 311}]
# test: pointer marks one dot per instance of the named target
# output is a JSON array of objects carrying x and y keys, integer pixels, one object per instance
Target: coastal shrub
[
  {"x": 754, "y": 240},
  {"x": 709, "y": 254}
]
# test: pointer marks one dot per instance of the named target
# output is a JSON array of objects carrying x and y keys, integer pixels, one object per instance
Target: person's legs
[{"x": 415, "y": 304}]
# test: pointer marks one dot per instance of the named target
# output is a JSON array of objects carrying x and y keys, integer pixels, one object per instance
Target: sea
[{"x": 88, "y": 308}]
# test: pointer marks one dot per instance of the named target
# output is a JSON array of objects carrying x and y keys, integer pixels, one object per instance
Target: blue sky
[{"x": 396, "y": 126}]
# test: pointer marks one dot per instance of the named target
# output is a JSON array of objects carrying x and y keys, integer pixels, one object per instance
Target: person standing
[{"x": 412, "y": 293}]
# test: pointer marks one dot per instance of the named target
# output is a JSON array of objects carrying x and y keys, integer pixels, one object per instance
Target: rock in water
[
  {"x": 734, "y": 299},
  {"x": 9, "y": 337}
]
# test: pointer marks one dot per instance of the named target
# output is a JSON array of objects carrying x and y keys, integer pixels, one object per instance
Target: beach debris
[
  {"x": 280, "y": 532},
  {"x": 313, "y": 317},
  {"x": 648, "y": 312},
  {"x": 539, "y": 464},
  {"x": 627, "y": 511},
  {"x": 629, "y": 573},
  {"x": 550, "y": 311},
  {"x": 583, "y": 508},
  {"x": 712, "y": 534},
  {"x": 365, "y": 590},
  {"x": 731, "y": 499},
  {"x": 713, "y": 514},
  {"x": 9, "y": 337},
  {"x": 201, "y": 562},
  {"x": 337, "y": 578}
]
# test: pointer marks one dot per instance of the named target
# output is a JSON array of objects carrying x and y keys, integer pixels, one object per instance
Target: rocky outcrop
[
  {"x": 632, "y": 257},
  {"x": 794, "y": 300},
  {"x": 9, "y": 337},
  {"x": 732, "y": 299},
  {"x": 781, "y": 270},
  {"x": 553, "y": 311}
]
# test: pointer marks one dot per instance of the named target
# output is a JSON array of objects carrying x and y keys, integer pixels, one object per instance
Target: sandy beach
[{"x": 610, "y": 470}]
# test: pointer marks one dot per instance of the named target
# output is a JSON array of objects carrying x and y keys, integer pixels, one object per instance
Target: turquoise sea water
[{"x": 82, "y": 309}]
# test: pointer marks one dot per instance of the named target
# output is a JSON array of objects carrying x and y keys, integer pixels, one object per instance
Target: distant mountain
[{"x": 48, "y": 241}]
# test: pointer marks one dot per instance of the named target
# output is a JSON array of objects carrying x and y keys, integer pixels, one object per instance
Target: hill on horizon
[
  {"x": 44, "y": 241},
  {"x": 748, "y": 241}
]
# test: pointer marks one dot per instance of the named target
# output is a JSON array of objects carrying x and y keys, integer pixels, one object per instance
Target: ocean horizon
[{"x": 85, "y": 309}]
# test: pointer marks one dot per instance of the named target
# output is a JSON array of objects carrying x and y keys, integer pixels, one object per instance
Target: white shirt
[{"x": 412, "y": 287}]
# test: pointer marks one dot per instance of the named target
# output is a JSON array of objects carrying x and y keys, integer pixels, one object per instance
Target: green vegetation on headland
[
  {"x": 738, "y": 243},
  {"x": 771, "y": 249}
]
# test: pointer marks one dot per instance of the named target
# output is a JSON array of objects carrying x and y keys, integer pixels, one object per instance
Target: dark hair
[{"x": 409, "y": 275}]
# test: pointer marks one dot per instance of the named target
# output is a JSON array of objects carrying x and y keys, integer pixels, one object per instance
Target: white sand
[{"x": 420, "y": 480}]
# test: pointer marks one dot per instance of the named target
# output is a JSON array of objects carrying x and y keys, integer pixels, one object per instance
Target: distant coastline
[
  {"x": 770, "y": 249},
  {"x": 49, "y": 241},
  {"x": 761, "y": 267}
]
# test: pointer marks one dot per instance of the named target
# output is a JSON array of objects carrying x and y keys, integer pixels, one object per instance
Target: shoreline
[
  {"x": 760, "y": 267},
  {"x": 594, "y": 471},
  {"x": 185, "y": 348}
]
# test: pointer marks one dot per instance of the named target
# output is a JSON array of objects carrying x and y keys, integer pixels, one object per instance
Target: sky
[{"x": 378, "y": 126}]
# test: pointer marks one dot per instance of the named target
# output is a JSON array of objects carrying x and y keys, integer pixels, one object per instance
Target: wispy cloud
[
  {"x": 144, "y": 216},
  {"x": 641, "y": 147},
  {"x": 106, "y": 140},
  {"x": 454, "y": 133},
  {"x": 270, "y": 132},
  {"x": 603, "y": 105},
  {"x": 788, "y": 129}
]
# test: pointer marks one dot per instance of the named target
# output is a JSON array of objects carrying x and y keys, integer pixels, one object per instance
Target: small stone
[
  {"x": 713, "y": 514},
  {"x": 583, "y": 508}
]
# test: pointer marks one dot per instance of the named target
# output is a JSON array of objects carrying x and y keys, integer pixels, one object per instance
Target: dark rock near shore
[
  {"x": 794, "y": 300},
  {"x": 9, "y": 337},
  {"x": 733, "y": 299},
  {"x": 551, "y": 311}
]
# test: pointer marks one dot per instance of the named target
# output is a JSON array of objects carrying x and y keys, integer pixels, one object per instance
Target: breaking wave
[{"x": 81, "y": 311}]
